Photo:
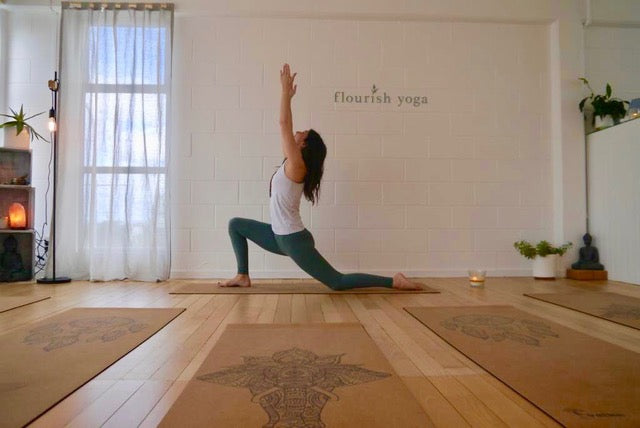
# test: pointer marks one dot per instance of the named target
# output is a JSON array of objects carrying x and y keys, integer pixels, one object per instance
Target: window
[{"x": 125, "y": 125}]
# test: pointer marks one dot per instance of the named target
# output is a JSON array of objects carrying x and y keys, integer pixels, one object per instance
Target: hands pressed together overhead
[{"x": 286, "y": 79}]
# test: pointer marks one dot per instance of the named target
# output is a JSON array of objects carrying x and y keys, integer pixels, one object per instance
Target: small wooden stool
[{"x": 587, "y": 275}]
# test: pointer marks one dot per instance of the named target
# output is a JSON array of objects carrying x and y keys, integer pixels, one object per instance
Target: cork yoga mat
[
  {"x": 576, "y": 379},
  {"x": 297, "y": 287},
  {"x": 42, "y": 363},
  {"x": 295, "y": 375},
  {"x": 8, "y": 303},
  {"x": 614, "y": 307}
]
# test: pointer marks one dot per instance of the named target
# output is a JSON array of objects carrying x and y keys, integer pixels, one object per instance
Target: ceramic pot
[
  {"x": 545, "y": 267},
  {"x": 13, "y": 141},
  {"x": 604, "y": 122}
]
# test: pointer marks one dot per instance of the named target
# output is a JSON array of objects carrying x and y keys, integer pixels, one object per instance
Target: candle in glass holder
[{"x": 476, "y": 277}]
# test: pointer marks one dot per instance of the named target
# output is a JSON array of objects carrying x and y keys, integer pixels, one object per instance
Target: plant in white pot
[
  {"x": 17, "y": 132},
  {"x": 604, "y": 110},
  {"x": 544, "y": 256}
]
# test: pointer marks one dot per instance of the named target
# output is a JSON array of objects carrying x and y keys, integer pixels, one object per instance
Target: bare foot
[
  {"x": 240, "y": 280},
  {"x": 401, "y": 282}
]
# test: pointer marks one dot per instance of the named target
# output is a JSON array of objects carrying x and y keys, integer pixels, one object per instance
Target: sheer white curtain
[{"x": 112, "y": 206}]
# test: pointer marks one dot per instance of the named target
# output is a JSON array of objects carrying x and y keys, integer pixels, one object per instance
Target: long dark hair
[{"x": 313, "y": 153}]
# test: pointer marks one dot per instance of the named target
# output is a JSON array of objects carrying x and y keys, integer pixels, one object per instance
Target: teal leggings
[{"x": 300, "y": 246}]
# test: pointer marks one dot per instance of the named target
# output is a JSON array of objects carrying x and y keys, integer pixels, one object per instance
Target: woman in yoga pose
[{"x": 301, "y": 172}]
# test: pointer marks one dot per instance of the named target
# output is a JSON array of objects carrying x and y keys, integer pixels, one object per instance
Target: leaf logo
[{"x": 374, "y": 89}]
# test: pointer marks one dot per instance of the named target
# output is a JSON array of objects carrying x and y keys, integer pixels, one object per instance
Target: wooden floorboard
[{"x": 140, "y": 388}]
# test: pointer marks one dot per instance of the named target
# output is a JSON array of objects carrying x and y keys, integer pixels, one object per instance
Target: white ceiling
[{"x": 30, "y": 2}]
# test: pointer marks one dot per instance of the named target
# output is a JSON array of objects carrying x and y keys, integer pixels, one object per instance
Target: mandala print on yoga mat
[
  {"x": 60, "y": 334},
  {"x": 499, "y": 328},
  {"x": 621, "y": 311},
  {"x": 294, "y": 385}
]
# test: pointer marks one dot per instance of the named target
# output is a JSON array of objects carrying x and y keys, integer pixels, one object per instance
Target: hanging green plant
[
  {"x": 604, "y": 105},
  {"x": 19, "y": 121}
]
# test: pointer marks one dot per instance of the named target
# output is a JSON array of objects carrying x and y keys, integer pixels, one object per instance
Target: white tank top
[{"x": 284, "y": 205}]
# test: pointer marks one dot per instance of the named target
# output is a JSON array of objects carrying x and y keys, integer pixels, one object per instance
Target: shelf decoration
[
  {"x": 17, "y": 237},
  {"x": 12, "y": 266},
  {"x": 17, "y": 216}
]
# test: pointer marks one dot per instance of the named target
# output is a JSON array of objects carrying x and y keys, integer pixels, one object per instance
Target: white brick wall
[
  {"x": 224, "y": 213},
  {"x": 240, "y": 168},
  {"x": 450, "y": 240},
  {"x": 358, "y": 240},
  {"x": 605, "y": 46},
  {"x": 357, "y": 192},
  {"x": 27, "y": 46},
  {"x": 334, "y": 217},
  {"x": 475, "y": 217},
  {"x": 404, "y": 193},
  {"x": 450, "y": 194},
  {"x": 502, "y": 74},
  {"x": 433, "y": 189},
  {"x": 404, "y": 241},
  {"x": 218, "y": 192},
  {"x": 380, "y": 169},
  {"x": 254, "y": 192},
  {"x": 380, "y": 217}
]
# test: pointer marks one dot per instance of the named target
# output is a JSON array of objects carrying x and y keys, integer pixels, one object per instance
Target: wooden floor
[{"x": 454, "y": 392}]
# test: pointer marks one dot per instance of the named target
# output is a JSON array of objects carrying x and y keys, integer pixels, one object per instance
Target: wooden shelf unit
[{"x": 15, "y": 164}]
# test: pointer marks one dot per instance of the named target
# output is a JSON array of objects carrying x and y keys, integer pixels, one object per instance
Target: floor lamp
[{"x": 53, "y": 127}]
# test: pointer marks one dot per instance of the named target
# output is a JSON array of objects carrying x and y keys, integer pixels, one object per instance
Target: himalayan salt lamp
[{"x": 17, "y": 216}]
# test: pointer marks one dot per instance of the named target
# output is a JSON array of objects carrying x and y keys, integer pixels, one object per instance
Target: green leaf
[
  {"x": 581, "y": 105},
  {"x": 20, "y": 123},
  {"x": 35, "y": 135},
  {"x": 543, "y": 248},
  {"x": 526, "y": 249},
  {"x": 30, "y": 117},
  {"x": 9, "y": 124},
  {"x": 608, "y": 90}
]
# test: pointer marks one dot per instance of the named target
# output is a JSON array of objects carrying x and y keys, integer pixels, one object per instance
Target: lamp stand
[{"x": 53, "y": 86}]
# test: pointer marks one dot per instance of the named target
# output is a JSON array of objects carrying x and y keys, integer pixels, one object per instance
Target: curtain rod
[{"x": 116, "y": 6}]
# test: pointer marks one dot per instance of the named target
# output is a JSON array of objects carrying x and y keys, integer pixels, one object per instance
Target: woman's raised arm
[{"x": 289, "y": 147}]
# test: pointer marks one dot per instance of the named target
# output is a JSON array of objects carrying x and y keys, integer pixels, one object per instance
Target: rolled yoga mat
[
  {"x": 613, "y": 307},
  {"x": 42, "y": 363},
  {"x": 11, "y": 302},
  {"x": 289, "y": 287},
  {"x": 576, "y": 379},
  {"x": 302, "y": 375}
]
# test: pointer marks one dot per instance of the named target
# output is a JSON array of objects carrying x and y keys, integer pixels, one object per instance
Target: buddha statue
[
  {"x": 11, "y": 265},
  {"x": 589, "y": 258}
]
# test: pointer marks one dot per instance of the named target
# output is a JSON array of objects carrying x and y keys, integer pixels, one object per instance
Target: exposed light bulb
[{"x": 52, "y": 121}]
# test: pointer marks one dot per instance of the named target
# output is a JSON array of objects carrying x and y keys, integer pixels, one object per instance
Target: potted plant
[
  {"x": 544, "y": 256},
  {"x": 24, "y": 133},
  {"x": 605, "y": 109}
]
